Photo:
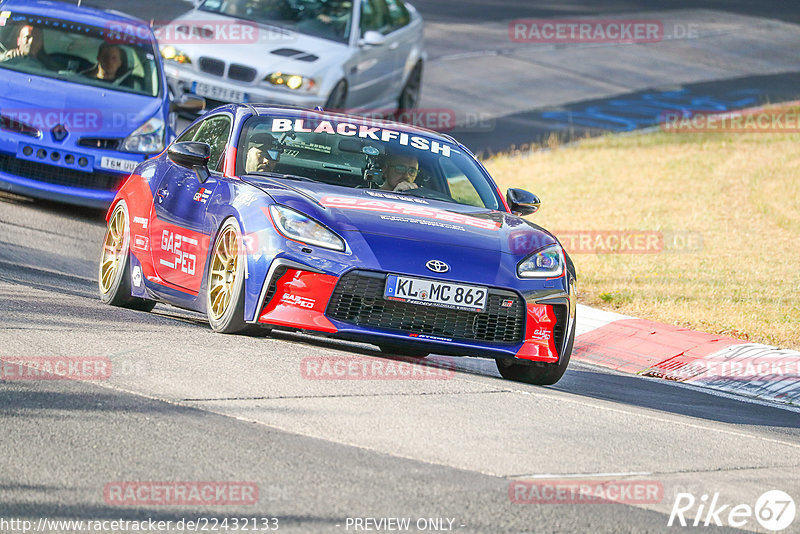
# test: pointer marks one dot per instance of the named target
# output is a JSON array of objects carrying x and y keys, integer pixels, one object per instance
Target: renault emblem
[{"x": 59, "y": 132}]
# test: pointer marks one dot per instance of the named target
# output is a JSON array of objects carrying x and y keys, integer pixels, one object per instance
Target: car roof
[
  {"x": 293, "y": 111},
  {"x": 70, "y": 11}
]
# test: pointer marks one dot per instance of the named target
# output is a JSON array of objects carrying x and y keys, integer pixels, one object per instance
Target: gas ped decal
[{"x": 394, "y": 208}]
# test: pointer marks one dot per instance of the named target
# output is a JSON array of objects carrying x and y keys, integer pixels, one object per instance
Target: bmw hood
[
  {"x": 263, "y": 47},
  {"x": 84, "y": 110},
  {"x": 385, "y": 217}
]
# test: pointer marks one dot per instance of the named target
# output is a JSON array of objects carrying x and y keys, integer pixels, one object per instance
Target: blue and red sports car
[{"x": 279, "y": 218}]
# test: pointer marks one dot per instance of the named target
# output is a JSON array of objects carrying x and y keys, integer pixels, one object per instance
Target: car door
[
  {"x": 403, "y": 37},
  {"x": 177, "y": 224},
  {"x": 372, "y": 68}
]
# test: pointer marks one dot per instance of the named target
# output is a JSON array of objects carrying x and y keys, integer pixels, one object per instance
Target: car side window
[
  {"x": 374, "y": 17},
  {"x": 214, "y": 132},
  {"x": 189, "y": 134},
  {"x": 398, "y": 14}
]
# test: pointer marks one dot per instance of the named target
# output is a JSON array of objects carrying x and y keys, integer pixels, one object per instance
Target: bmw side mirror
[
  {"x": 372, "y": 38},
  {"x": 188, "y": 102},
  {"x": 522, "y": 202},
  {"x": 191, "y": 155}
]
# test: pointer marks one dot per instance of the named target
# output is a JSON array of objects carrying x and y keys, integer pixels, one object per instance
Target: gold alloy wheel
[
  {"x": 112, "y": 250},
  {"x": 223, "y": 272}
]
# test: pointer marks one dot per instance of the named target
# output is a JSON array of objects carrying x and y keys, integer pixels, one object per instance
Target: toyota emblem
[{"x": 437, "y": 266}]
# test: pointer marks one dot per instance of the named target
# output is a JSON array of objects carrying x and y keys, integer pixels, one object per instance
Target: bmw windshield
[
  {"x": 363, "y": 154},
  {"x": 329, "y": 19},
  {"x": 79, "y": 53}
]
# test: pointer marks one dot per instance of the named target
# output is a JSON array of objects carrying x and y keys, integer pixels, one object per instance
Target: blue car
[
  {"x": 83, "y": 100},
  {"x": 267, "y": 217}
]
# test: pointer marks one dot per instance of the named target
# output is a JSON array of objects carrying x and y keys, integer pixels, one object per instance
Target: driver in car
[
  {"x": 399, "y": 173},
  {"x": 260, "y": 156},
  {"x": 30, "y": 44}
]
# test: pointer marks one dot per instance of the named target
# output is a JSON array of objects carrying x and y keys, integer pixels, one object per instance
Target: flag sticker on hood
[
  {"x": 380, "y": 206},
  {"x": 360, "y": 130}
]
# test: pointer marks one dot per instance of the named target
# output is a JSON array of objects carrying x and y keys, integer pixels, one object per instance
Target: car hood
[
  {"x": 270, "y": 48},
  {"x": 89, "y": 111},
  {"x": 383, "y": 217}
]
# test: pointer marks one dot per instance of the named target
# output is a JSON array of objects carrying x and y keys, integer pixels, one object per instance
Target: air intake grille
[
  {"x": 241, "y": 73},
  {"x": 60, "y": 175},
  {"x": 212, "y": 66},
  {"x": 358, "y": 299}
]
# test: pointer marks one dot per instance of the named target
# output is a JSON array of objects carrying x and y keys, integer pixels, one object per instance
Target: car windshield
[
  {"x": 359, "y": 153},
  {"x": 329, "y": 19},
  {"x": 80, "y": 53}
]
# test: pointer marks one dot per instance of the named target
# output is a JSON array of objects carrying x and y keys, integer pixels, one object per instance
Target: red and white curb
[
  {"x": 659, "y": 350},
  {"x": 646, "y": 348}
]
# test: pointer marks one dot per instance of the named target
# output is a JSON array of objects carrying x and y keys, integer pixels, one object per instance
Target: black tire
[
  {"x": 400, "y": 350},
  {"x": 338, "y": 98},
  {"x": 538, "y": 373},
  {"x": 116, "y": 291},
  {"x": 229, "y": 319},
  {"x": 409, "y": 96}
]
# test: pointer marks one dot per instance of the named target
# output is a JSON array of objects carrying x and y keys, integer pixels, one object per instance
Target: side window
[
  {"x": 461, "y": 189},
  {"x": 374, "y": 16},
  {"x": 214, "y": 132},
  {"x": 398, "y": 14},
  {"x": 188, "y": 135}
]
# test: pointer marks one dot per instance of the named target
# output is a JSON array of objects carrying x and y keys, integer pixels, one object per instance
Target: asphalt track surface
[{"x": 184, "y": 404}]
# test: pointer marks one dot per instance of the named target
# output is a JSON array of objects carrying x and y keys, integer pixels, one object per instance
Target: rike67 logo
[{"x": 774, "y": 510}]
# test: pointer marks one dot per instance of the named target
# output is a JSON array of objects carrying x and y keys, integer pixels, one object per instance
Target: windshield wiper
[{"x": 284, "y": 176}]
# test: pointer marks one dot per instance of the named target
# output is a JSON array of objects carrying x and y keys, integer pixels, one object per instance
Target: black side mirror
[
  {"x": 522, "y": 202},
  {"x": 191, "y": 155},
  {"x": 188, "y": 102}
]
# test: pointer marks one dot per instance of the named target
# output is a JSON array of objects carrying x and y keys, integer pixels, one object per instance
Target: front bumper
[
  {"x": 532, "y": 327},
  {"x": 185, "y": 82}
]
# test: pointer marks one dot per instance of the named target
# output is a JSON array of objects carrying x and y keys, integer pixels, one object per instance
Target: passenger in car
[
  {"x": 260, "y": 156},
  {"x": 399, "y": 172},
  {"x": 112, "y": 64}
]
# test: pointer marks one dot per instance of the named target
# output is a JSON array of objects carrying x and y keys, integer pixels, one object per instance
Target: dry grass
[{"x": 741, "y": 192}]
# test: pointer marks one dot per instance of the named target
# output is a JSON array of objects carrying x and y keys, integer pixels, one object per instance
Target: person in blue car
[
  {"x": 111, "y": 64},
  {"x": 399, "y": 172},
  {"x": 30, "y": 46}
]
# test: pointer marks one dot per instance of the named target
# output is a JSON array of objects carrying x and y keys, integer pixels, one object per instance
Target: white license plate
[
  {"x": 219, "y": 93},
  {"x": 116, "y": 164},
  {"x": 435, "y": 293}
]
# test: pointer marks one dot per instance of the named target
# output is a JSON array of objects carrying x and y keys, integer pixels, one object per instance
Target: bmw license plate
[
  {"x": 435, "y": 293},
  {"x": 218, "y": 93}
]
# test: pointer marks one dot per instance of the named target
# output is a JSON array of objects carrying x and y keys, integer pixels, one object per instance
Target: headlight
[
  {"x": 546, "y": 263},
  {"x": 173, "y": 54},
  {"x": 147, "y": 139},
  {"x": 295, "y": 225},
  {"x": 292, "y": 81}
]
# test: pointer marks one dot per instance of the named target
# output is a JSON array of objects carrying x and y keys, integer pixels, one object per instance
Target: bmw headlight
[
  {"x": 173, "y": 54},
  {"x": 295, "y": 225},
  {"x": 546, "y": 263},
  {"x": 292, "y": 81},
  {"x": 147, "y": 139}
]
